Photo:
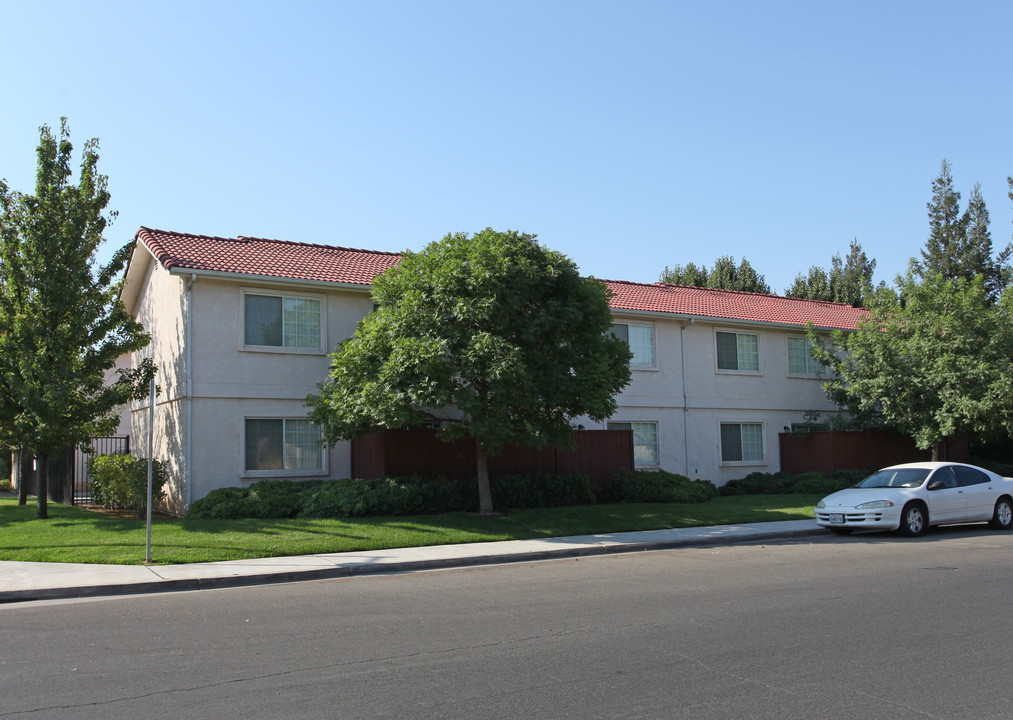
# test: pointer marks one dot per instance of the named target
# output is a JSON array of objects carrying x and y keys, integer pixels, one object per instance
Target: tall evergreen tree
[
  {"x": 960, "y": 244},
  {"x": 849, "y": 280},
  {"x": 945, "y": 245},
  {"x": 62, "y": 326}
]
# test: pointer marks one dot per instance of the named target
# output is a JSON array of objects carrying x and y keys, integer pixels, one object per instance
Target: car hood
[{"x": 856, "y": 496}]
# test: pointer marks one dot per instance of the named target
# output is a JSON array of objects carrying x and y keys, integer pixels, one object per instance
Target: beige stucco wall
[
  {"x": 689, "y": 427},
  {"x": 161, "y": 310},
  {"x": 232, "y": 382}
]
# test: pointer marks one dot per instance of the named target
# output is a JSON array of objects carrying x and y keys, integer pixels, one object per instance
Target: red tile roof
[
  {"x": 732, "y": 305},
  {"x": 266, "y": 258},
  {"x": 302, "y": 261}
]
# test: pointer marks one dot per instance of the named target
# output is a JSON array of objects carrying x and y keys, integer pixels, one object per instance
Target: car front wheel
[
  {"x": 913, "y": 520},
  {"x": 1002, "y": 517}
]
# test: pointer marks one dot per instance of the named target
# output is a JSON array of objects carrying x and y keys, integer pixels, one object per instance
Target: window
[
  {"x": 802, "y": 428},
  {"x": 969, "y": 476},
  {"x": 738, "y": 351},
  {"x": 741, "y": 442},
  {"x": 283, "y": 444},
  {"x": 276, "y": 321},
  {"x": 645, "y": 440},
  {"x": 640, "y": 338},
  {"x": 800, "y": 357}
]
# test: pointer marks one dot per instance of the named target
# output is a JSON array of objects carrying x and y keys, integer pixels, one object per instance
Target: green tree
[
  {"x": 490, "y": 336},
  {"x": 688, "y": 274},
  {"x": 849, "y": 281},
  {"x": 934, "y": 359},
  {"x": 945, "y": 245},
  {"x": 814, "y": 286},
  {"x": 62, "y": 326},
  {"x": 960, "y": 244},
  {"x": 724, "y": 275}
]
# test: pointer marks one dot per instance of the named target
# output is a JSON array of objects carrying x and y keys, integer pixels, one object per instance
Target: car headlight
[
  {"x": 874, "y": 505},
  {"x": 820, "y": 505}
]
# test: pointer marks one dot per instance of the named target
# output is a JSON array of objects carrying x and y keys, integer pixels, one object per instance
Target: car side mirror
[{"x": 936, "y": 485}]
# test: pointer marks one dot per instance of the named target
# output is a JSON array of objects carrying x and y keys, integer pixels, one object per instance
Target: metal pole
[{"x": 151, "y": 455}]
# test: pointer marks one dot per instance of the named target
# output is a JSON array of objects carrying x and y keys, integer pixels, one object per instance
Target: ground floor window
[
  {"x": 645, "y": 440},
  {"x": 283, "y": 444},
  {"x": 741, "y": 442}
]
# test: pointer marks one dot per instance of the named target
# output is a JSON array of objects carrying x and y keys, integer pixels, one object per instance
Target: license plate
[{"x": 837, "y": 518}]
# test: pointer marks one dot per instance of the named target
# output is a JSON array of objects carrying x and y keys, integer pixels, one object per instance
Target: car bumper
[{"x": 857, "y": 519}]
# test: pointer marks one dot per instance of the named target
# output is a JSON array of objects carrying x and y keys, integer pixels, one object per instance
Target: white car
[{"x": 913, "y": 496}]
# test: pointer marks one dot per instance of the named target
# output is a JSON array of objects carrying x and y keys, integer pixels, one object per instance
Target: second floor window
[
  {"x": 641, "y": 341},
  {"x": 738, "y": 351},
  {"x": 278, "y": 321},
  {"x": 800, "y": 357}
]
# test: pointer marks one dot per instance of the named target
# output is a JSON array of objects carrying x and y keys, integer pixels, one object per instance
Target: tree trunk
[
  {"x": 484, "y": 493},
  {"x": 935, "y": 452},
  {"x": 23, "y": 464},
  {"x": 42, "y": 507}
]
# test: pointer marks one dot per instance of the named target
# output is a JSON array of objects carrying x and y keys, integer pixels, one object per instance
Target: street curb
[{"x": 354, "y": 570}]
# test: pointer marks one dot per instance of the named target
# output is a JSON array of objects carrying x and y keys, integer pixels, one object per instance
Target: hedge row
[
  {"x": 781, "y": 483},
  {"x": 417, "y": 496}
]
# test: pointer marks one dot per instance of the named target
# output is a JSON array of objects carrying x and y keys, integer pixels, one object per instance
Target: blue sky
[{"x": 629, "y": 135}]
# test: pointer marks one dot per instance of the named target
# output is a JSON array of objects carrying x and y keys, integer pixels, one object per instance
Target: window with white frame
[
  {"x": 800, "y": 357},
  {"x": 645, "y": 441},
  {"x": 741, "y": 442},
  {"x": 640, "y": 338},
  {"x": 738, "y": 351},
  {"x": 281, "y": 321},
  {"x": 282, "y": 444}
]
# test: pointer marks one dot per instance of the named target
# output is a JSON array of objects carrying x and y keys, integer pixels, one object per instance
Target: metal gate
[{"x": 117, "y": 445}]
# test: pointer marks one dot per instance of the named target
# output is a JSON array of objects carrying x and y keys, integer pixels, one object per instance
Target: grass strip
[{"x": 77, "y": 535}]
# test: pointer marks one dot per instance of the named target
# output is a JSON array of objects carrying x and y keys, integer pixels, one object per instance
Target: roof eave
[
  {"x": 714, "y": 319},
  {"x": 273, "y": 279}
]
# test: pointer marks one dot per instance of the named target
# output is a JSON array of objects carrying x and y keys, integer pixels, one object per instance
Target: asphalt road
[{"x": 862, "y": 627}]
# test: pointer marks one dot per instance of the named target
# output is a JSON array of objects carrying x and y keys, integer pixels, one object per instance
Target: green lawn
[{"x": 76, "y": 535}]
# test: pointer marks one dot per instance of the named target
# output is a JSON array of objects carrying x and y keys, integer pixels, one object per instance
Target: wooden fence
[
  {"x": 599, "y": 454},
  {"x": 834, "y": 450}
]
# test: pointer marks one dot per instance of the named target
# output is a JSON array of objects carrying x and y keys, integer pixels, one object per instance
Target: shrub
[
  {"x": 781, "y": 483},
  {"x": 657, "y": 486},
  {"x": 264, "y": 499},
  {"x": 281, "y": 498},
  {"x": 121, "y": 481},
  {"x": 537, "y": 490},
  {"x": 387, "y": 496},
  {"x": 229, "y": 503}
]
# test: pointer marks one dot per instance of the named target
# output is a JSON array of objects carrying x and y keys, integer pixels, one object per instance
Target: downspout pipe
[
  {"x": 187, "y": 469},
  {"x": 685, "y": 394}
]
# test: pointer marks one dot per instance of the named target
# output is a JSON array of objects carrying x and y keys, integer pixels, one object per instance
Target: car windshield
[{"x": 901, "y": 478}]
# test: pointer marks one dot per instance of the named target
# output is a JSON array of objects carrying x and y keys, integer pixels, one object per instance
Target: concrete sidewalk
[{"x": 24, "y": 581}]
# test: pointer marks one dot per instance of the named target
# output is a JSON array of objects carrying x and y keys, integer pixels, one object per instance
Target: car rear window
[{"x": 970, "y": 476}]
